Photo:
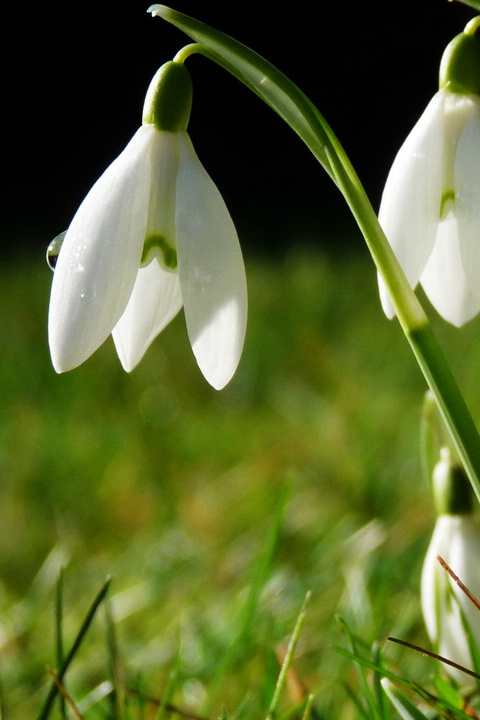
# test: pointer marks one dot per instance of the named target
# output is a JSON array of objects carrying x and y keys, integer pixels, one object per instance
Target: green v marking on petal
[
  {"x": 448, "y": 199},
  {"x": 158, "y": 245}
]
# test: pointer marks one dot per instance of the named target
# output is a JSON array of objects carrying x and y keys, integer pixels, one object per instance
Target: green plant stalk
[
  {"x": 475, "y": 4},
  {"x": 415, "y": 326},
  {"x": 287, "y": 100}
]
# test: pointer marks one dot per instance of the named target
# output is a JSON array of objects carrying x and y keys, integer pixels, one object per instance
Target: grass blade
[
  {"x": 287, "y": 661},
  {"x": 53, "y": 692}
]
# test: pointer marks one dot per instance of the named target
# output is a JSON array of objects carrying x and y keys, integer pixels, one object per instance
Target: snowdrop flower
[
  {"x": 430, "y": 208},
  {"x": 456, "y": 539},
  {"x": 153, "y": 234}
]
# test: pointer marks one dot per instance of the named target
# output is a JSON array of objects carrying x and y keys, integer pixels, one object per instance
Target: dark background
[{"x": 75, "y": 77}]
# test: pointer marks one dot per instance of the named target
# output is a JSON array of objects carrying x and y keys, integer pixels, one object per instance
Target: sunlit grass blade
[
  {"x": 308, "y": 713},
  {"x": 282, "y": 677},
  {"x": 439, "y": 704},
  {"x": 96, "y": 696},
  {"x": 53, "y": 692},
  {"x": 406, "y": 709}
]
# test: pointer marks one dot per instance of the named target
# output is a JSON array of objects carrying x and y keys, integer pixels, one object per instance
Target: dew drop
[{"x": 53, "y": 250}]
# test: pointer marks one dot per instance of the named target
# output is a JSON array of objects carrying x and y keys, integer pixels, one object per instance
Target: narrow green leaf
[
  {"x": 59, "y": 632},
  {"x": 364, "y": 684},
  {"x": 377, "y": 684},
  {"x": 115, "y": 663},
  {"x": 287, "y": 661},
  {"x": 173, "y": 680},
  {"x": 52, "y": 694},
  {"x": 407, "y": 710}
]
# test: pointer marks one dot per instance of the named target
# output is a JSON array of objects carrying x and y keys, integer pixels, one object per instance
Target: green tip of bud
[
  {"x": 169, "y": 98},
  {"x": 452, "y": 493},
  {"x": 460, "y": 65}
]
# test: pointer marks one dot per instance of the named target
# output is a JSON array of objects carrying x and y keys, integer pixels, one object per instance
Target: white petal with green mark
[{"x": 154, "y": 302}]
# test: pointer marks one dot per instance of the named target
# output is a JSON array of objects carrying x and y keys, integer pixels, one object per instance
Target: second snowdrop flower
[
  {"x": 447, "y": 611},
  {"x": 430, "y": 209},
  {"x": 153, "y": 234}
]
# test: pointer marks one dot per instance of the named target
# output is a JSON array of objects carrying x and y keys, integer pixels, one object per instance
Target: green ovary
[
  {"x": 159, "y": 246},
  {"x": 448, "y": 200}
]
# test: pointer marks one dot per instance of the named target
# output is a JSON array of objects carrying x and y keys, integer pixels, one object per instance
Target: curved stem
[{"x": 286, "y": 99}]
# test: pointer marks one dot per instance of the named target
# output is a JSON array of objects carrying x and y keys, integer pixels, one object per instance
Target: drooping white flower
[
  {"x": 153, "y": 234},
  {"x": 446, "y": 609},
  {"x": 430, "y": 208}
]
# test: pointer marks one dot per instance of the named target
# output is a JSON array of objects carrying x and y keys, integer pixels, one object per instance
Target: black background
[{"x": 75, "y": 77}]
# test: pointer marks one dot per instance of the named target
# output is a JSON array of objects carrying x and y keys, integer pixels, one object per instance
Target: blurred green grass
[{"x": 169, "y": 486}]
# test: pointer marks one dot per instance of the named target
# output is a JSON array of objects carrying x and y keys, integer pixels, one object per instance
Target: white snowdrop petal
[
  {"x": 444, "y": 279},
  {"x": 154, "y": 302},
  {"x": 456, "y": 539},
  {"x": 212, "y": 273},
  {"x": 467, "y": 194},
  {"x": 411, "y": 200},
  {"x": 99, "y": 259}
]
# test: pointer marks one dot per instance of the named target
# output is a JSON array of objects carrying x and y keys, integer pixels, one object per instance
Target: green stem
[
  {"x": 286, "y": 99},
  {"x": 415, "y": 325}
]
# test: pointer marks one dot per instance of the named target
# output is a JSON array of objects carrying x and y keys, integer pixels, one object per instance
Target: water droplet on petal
[{"x": 53, "y": 250}]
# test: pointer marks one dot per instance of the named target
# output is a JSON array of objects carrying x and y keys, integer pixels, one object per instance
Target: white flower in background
[
  {"x": 153, "y": 234},
  {"x": 456, "y": 539},
  {"x": 430, "y": 208}
]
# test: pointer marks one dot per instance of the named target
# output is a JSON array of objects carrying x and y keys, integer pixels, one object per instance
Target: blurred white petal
[
  {"x": 411, "y": 200},
  {"x": 456, "y": 539},
  {"x": 100, "y": 255},
  {"x": 211, "y": 268},
  {"x": 154, "y": 302}
]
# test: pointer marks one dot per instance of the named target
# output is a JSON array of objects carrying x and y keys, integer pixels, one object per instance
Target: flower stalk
[{"x": 288, "y": 101}]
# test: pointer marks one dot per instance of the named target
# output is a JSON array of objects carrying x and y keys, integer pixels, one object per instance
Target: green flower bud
[
  {"x": 169, "y": 98},
  {"x": 460, "y": 64},
  {"x": 452, "y": 494}
]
